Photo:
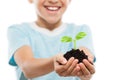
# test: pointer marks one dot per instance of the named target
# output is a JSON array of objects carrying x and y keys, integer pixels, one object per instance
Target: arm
[
  {"x": 31, "y": 66},
  {"x": 22, "y": 55},
  {"x": 24, "y": 58}
]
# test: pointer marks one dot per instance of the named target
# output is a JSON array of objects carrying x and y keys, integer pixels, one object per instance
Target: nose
[{"x": 53, "y": 1}]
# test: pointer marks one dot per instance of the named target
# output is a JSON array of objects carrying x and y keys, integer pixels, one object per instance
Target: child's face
[{"x": 50, "y": 11}]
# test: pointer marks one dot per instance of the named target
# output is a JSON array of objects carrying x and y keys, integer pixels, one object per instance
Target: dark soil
[{"x": 77, "y": 54}]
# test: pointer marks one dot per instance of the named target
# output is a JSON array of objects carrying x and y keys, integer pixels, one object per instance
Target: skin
[
  {"x": 46, "y": 18},
  {"x": 84, "y": 70},
  {"x": 50, "y": 20}
]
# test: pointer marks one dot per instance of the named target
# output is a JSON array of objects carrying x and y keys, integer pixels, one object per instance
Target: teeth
[{"x": 53, "y": 8}]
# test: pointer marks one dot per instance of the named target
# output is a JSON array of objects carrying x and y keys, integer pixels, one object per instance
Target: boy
[{"x": 34, "y": 47}]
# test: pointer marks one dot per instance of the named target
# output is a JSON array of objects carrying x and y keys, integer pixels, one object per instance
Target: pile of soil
[{"x": 77, "y": 54}]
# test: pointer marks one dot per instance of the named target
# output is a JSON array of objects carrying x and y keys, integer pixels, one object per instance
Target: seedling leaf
[
  {"x": 80, "y": 35},
  {"x": 66, "y": 39}
]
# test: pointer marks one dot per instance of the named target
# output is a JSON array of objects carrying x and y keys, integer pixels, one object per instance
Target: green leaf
[
  {"x": 80, "y": 35},
  {"x": 66, "y": 39}
]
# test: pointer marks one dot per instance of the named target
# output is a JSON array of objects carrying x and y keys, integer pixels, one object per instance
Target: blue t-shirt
[{"x": 45, "y": 43}]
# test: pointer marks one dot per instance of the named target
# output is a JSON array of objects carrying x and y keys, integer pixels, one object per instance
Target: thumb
[
  {"x": 90, "y": 60},
  {"x": 61, "y": 60}
]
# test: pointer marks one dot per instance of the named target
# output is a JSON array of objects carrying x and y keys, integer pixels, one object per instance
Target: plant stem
[{"x": 74, "y": 42}]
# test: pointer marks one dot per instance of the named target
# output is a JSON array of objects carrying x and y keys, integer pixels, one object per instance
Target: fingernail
[{"x": 64, "y": 61}]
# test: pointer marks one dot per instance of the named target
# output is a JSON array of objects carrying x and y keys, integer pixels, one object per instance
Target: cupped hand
[
  {"x": 64, "y": 67},
  {"x": 86, "y": 70}
]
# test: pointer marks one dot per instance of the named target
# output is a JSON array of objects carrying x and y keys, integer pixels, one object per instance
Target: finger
[
  {"x": 58, "y": 68},
  {"x": 90, "y": 61},
  {"x": 57, "y": 60},
  {"x": 75, "y": 71},
  {"x": 84, "y": 69},
  {"x": 70, "y": 69},
  {"x": 89, "y": 66},
  {"x": 66, "y": 67},
  {"x": 61, "y": 69},
  {"x": 80, "y": 73},
  {"x": 69, "y": 63}
]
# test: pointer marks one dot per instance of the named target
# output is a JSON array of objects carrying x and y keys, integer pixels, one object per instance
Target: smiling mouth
[{"x": 52, "y": 8}]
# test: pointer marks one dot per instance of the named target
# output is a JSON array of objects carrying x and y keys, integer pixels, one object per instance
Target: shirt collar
[{"x": 54, "y": 32}]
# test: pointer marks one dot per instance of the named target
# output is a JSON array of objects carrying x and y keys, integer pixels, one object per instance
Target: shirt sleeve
[
  {"x": 87, "y": 40},
  {"x": 16, "y": 39}
]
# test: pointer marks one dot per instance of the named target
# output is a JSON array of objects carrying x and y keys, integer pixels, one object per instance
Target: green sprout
[{"x": 79, "y": 36}]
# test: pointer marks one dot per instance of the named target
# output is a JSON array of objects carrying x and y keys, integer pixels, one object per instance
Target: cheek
[
  {"x": 39, "y": 6},
  {"x": 65, "y": 1},
  {"x": 38, "y": 3}
]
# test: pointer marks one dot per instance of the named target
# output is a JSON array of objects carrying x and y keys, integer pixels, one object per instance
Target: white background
[{"x": 103, "y": 17}]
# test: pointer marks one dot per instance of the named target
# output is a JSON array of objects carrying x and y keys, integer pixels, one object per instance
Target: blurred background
[{"x": 103, "y": 17}]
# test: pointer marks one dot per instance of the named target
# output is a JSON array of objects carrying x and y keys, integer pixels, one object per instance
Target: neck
[{"x": 49, "y": 26}]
